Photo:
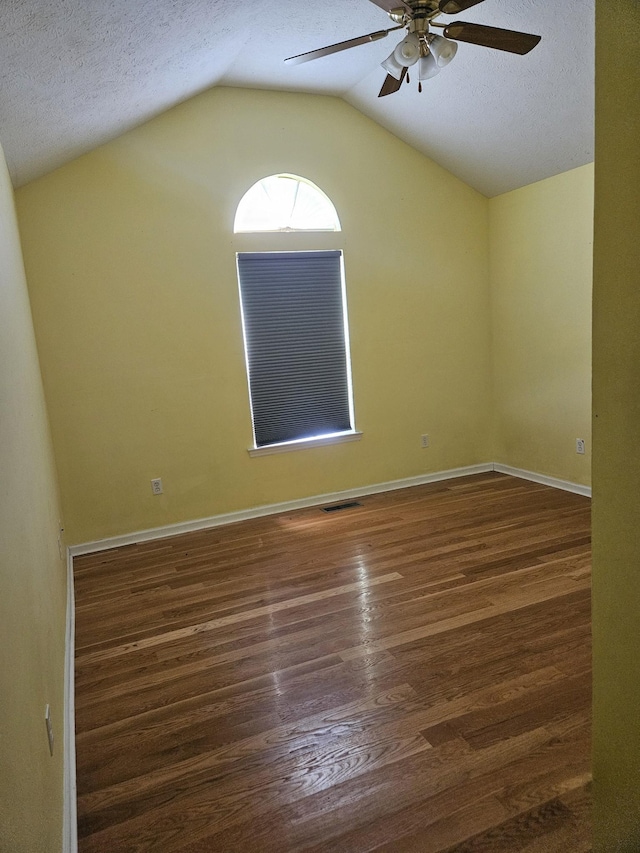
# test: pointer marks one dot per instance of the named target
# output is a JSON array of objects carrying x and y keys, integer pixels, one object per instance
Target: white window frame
[
  {"x": 274, "y": 204},
  {"x": 290, "y": 242}
]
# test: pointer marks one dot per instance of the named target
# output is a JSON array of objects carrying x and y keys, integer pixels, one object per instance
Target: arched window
[
  {"x": 285, "y": 203},
  {"x": 294, "y": 319}
]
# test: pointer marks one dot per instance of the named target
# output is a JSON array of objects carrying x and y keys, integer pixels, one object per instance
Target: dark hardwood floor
[{"x": 409, "y": 675}]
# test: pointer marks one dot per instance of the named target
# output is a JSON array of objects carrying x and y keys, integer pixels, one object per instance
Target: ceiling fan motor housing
[{"x": 417, "y": 20}]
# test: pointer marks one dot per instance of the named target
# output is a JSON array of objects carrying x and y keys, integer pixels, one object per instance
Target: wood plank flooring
[{"x": 409, "y": 675}]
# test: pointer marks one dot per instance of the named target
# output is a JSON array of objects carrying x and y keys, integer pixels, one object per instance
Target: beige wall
[
  {"x": 130, "y": 258},
  {"x": 32, "y": 577},
  {"x": 541, "y": 276},
  {"x": 616, "y": 398}
]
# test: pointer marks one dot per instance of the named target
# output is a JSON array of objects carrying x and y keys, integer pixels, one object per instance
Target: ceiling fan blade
[
  {"x": 509, "y": 40},
  {"x": 392, "y": 85},
  {"x": 388, "y": 5},
  {"x": 453, "y": 7},
  {"x": 341, "y": 45}
]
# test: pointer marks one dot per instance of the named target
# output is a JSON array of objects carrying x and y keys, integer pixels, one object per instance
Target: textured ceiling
[{"x": 76, "y": 73}]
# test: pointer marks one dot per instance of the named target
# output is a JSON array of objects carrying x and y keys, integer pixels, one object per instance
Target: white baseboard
[
  {"x": 272, "y": 509},
  {"x": 317, "y": 500},
  {"x": 565, "y": 485},
  {"x": 70, "y": 820}
]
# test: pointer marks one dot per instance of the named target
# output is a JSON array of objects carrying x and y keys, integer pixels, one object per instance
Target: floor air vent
[{"x": 338, "y": 507}]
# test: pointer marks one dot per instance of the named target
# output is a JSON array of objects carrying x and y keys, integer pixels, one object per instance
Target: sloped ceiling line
[{"x": 76, "y": 73}]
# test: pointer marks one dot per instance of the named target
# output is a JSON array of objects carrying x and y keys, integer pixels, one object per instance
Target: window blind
[{"x": 294, "y": 326}]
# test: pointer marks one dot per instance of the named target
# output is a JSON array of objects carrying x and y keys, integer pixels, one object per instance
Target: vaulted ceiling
[{"x": 76, "y": 73}]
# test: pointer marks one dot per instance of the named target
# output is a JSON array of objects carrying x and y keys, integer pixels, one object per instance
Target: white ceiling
[{"x": 76, "y": 73}]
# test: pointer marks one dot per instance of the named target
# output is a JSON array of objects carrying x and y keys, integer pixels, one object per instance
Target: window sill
[{"x": 305, "y": 443}]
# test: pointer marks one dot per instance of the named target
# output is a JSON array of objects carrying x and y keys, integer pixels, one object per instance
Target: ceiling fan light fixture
[
  {"x": 428, "y": 67},
  {"x": 442, "y": 49},
  {"x": 408, "y": 51},
  {"x": 392, "y": 66}
]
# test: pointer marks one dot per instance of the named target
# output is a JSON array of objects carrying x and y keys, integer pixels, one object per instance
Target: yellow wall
[
  {"x": 131, "y": 265},
  {"x": 130, "y": 258},
  {"x": 616, "y": 399},
  {"x": 32, "y": 576},
  {"x": 541, "y": 276}
]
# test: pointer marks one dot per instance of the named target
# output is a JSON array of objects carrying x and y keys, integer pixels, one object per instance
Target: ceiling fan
[{"x": 420, "y": 46}]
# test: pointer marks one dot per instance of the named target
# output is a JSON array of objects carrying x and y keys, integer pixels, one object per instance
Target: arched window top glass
[{"x": 285, "y": 203}]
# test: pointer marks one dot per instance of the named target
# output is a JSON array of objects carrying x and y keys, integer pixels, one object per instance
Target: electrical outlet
[
  {"x": 49, "y": 724},
  {"x": 156, "y": 486},
  {"x": 424, "y": 441},
  {"x": 580, "y": 445}
]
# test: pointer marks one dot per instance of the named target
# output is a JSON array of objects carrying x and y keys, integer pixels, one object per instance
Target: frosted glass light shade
[
  {"x": 408, "y": 51},
  {"x": 428, "y": 67},
  {"x": 443, "y": 49},
  {"x": 392, "y": 66}
]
